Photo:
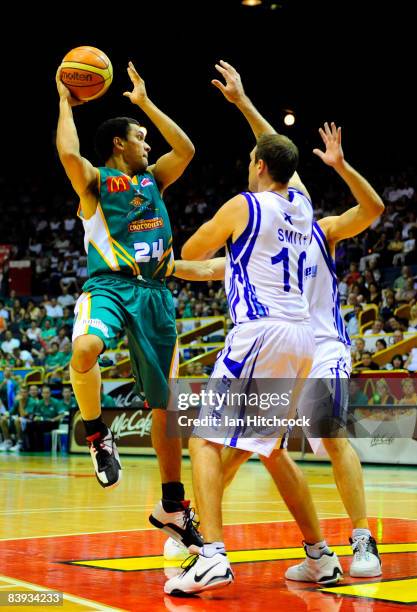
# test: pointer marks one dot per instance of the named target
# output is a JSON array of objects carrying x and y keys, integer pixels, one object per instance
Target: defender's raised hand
[
  {"x": 332, "y": 138},
  {"x": 138, "y": 95},
  {"x": 233, "y": 89}
]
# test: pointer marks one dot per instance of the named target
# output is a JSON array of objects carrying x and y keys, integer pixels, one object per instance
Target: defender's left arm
[
  {"x": 369, "y": 207},
  {"x": 213, "y": 234}
]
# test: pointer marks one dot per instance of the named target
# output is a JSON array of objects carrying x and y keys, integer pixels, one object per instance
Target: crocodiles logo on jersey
[{"x": 145, "y": 225}]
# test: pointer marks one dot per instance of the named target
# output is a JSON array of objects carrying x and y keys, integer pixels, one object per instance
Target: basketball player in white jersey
[
  {"x": 267, "y": 232},
  {"x": 332, "y": 355}
]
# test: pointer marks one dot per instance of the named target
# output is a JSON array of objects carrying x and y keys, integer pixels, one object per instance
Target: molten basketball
[{"x": 87, "y": 72}]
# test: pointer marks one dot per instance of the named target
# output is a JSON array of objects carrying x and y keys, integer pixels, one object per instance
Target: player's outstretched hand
[
  {"x": 332, "y": 138},
  {"x": 63, "y": 91},
  {"x": 138, "y": 95},
  {"x": 233, "y": 89}
]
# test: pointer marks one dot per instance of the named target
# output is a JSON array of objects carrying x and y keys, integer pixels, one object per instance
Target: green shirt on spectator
[
  {"x": 41, "y": 322},
  {"x": 68, "y": 321},
  {"x": 48, "y": 333},
  {"x": 65, "y": 359},
  {"x": 67, "y": 407},
  {"x": 50, "y": 410},
  {"x": 30, "y": 408},
  {"x": 54, "y": 360},
  {"x": 399, "y": 282}
]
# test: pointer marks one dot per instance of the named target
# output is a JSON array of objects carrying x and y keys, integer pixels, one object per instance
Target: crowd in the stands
[{"x": 377, "y": 268}]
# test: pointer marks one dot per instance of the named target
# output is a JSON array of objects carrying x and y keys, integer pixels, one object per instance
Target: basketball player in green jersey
[{"x": 129, "y": 251}]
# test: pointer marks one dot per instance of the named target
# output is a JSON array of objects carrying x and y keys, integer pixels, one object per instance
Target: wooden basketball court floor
[{"x": 59, "y": 530}]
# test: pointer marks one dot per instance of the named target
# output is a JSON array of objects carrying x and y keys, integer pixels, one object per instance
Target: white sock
[
  {"x": 357, "y": 533},
  {"x": 213, "y": 548},
  {"x": 315, "y": 551}
]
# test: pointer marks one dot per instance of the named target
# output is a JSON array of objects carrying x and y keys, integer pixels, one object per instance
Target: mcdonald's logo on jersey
[{"x": 116, "y": 184}]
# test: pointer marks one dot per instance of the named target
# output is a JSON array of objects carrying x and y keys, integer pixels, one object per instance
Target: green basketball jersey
[{"x": 130, "y": 232}]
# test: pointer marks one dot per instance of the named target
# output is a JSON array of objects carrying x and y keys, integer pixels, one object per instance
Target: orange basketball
[{"x": 87, "y": 72}]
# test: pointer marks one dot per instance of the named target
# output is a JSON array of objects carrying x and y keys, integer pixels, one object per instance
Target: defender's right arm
[
  {"x": 82, "y": 174},
  {"x": 233, "y": 92},
  {"x": 210, "y": 269}
]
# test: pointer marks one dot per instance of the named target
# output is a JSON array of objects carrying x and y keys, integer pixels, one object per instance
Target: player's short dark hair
[
  {"x": 279, "y": 154},
  {"x": 119, "y": 126}
]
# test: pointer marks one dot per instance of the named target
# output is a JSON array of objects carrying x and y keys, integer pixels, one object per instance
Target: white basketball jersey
[
  {"x": 265, "y": 266},
  {"x": 321, "y": 291}
]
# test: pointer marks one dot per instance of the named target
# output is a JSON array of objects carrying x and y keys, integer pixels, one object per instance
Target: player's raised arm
[
  {"x": 79, "y": 170},
  {"x": 213, "y": 234},
  {"x": 211, "y": 269},
  {"x": 170, "y": 166},
  {"x": 234, "y": 92},
  {"x": 369, "y": 207}
]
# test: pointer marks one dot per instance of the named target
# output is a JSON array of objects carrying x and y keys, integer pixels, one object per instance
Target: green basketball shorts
[{"x": 145, "y": 310}]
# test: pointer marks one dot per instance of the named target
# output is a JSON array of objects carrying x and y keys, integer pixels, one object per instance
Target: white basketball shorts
[
  {"x": 256, "y": 350},
  {"x": 332, "y": 362}
]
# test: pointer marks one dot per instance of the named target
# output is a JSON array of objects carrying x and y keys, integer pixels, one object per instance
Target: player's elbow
[
  {"x": 189, "y": 151},
  {"x": 186, "y": 252},
  {"x": 377, "y": 209},
  {"x": 184, "y": 150},
  {"x": 380, "y": 206}
]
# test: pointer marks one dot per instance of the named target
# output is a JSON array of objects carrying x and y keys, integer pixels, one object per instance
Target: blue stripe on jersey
[
  {"x": 255, "y": 308},
  {"x": 257, "y": 216},
  {"x": 292, "y": 190},
  {"x": 325, "y": 251},
  {"x": 239, "y": 259},
  {"x": 235, "y": 250},
  {"x": 337, "y": 317},
  {"x": 233, "y": 292},
  {"x": 236, "y": 247},
  {"x": 232, "y": 298}
]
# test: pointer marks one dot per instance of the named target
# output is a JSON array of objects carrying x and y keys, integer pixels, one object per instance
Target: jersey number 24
[{"x": 143, "y": 251}]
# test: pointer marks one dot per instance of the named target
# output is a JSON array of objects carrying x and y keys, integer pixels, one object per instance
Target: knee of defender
[
  {"x": 196, "y": 444},
  {"x": 335, "y": 446},
  {"x": 278, "y": 456},
  {"x": 84, "y": 356}
]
